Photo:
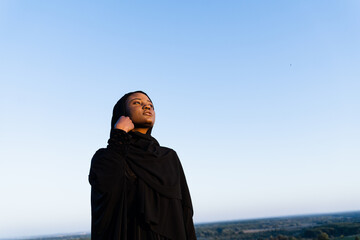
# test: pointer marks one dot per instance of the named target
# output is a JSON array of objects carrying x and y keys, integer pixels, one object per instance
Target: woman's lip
[{"x": 148, "y": 113}]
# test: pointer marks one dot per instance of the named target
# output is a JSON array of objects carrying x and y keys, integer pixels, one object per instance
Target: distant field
[{"x": 340, "y": 226}]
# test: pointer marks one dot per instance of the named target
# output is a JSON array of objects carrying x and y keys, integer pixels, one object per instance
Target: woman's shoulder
[
  {"x": 102, "y": 153},
  {"x": 106, "y": 156},
  {"x": 170, "y": 152},
  {"x": 165, "y": 148}
]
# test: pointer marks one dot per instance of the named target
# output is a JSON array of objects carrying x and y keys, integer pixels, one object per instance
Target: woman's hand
[{"x": 124, "y": 123}]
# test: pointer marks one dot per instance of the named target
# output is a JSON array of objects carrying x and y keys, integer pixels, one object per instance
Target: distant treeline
[
  {"x": 312, "y": 227},
  {"x": 341, "y": 226},
  {"x": 333, "y": 230}
]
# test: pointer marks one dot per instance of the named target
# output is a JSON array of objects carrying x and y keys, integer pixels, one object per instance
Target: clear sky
[{"x": 260, "y": 99}]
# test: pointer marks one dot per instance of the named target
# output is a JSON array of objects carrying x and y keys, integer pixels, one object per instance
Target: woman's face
[{"x": 140, "y": 110}]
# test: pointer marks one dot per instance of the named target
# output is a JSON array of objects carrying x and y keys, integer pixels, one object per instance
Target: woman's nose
[{"x": 146, "y": 106}]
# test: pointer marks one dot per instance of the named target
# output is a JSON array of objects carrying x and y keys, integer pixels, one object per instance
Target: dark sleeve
[
  {"x": 107, "y": 164},
  {"x": 187, "y": 207},
  {"x": 108, "y": 195}
]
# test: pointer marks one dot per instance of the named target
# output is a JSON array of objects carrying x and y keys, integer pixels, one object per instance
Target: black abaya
[{"x": 139, "y": 191}]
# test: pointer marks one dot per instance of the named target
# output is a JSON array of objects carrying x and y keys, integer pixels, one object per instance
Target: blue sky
[{"x": 260, "y": 99}]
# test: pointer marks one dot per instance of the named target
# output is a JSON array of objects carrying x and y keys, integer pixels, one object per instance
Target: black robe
[{"x": 139, "y": 191}]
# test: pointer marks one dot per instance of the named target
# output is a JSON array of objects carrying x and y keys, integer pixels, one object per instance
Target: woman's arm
[
  {"x": 107, "y": 165},
  {"x": 108, "y": 188},
  {"x": 187, "y": 207}
]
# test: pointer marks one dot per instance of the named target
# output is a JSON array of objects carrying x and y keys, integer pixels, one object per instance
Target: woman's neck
[{"x": 140, "y": 130}]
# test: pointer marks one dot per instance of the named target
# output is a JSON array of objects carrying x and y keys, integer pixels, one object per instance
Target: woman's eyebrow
[{"x": 139, "y": 99}]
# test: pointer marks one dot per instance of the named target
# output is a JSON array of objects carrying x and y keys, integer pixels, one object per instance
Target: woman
[{"x": 138, "y": 188}]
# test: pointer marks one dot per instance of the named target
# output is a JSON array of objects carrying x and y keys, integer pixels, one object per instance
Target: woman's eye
[{"x": 136, "y": 102}]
